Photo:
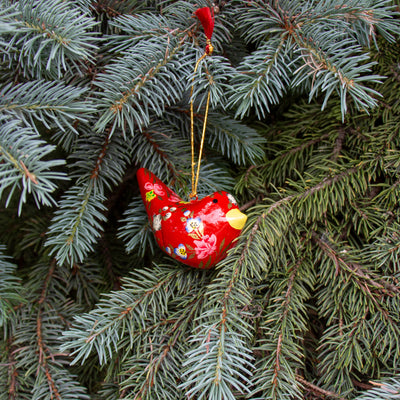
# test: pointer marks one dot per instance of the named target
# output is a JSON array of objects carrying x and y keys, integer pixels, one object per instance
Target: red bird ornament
[{"x": 198, "y": 233}]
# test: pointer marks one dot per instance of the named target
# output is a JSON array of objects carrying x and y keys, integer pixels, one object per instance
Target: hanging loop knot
[{"x": 209, "y": 47}]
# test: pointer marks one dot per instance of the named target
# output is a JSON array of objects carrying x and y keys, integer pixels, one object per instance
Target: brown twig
[
  {"x": 96, "y": 169},
  {"x": 317, "y": 390}
]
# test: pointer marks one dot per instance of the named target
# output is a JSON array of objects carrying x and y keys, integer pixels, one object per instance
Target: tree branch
[{"x": 317, "y": 390}]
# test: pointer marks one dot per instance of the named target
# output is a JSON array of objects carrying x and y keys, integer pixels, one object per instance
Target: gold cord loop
[{"x": 195, "y": 176}]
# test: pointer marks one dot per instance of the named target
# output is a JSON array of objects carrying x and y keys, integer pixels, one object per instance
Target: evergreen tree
[{"x": 303, "y": 130}]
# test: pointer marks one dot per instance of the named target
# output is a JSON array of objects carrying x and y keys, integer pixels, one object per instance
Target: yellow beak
[{"x": 236, "y": 219}]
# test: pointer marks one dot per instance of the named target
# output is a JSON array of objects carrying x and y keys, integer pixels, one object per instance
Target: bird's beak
[{"x": 236, "y": 219}]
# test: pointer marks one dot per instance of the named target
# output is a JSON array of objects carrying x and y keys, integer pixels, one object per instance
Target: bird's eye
[{"x": 215, "y": 201}]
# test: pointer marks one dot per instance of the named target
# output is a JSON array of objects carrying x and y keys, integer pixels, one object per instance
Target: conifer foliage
[{"x": 303, "y": 130}]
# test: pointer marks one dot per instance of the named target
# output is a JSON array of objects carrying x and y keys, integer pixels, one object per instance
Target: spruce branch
[
  {"x": 219, "y": 361},
  {"x": 146, "y": 375},
  {"x": 369, "y": 330},
  {"x": 211, "y": 78},
  {"x": 100, "y": 159},
  {"x": 238, "y": 142},
  {"x": 76, "y": 226},
  {"x": 323, "y": 41},
  {"x": 50, "y": 39},
  {"x": 53, "y": 103},
  {"x": 318, "y": 390},
  {"x": 163, "y": 149},
  {"x": 261, "y": 79},
  {"x": 23, "y": 164},
  {"x": 152, "y": 370},
  {"x": 331, "y": 73},
  {"x": 135, "y": 230},
  {"x": 10, "y": 375},
  {"x": 289, "y": 154},
  {"x": 366, "y": 280},
  {"x": 7, "y": 24},
  {"x": 134, "y": 84},
  {"x": 85, "y": 281},
  {"x": 303, "y": 194},
  {"x": 140, "y": 27},
  {"x": 385, "y": 252},
  {"x": 39, "y": 367},
  {"x": 388, "y": 389},
  {"x": 119, "y": 313},
  {"x": 283, "y": 327}
]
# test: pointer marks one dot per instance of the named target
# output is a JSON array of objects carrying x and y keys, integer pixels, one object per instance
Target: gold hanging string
[
  {"x": 195, "y": 175},
  {"x": 203, "y": 135}
]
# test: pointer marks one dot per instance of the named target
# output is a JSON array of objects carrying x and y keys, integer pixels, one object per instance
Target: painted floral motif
[
  {"x": 195, "y": 227},
  {"x": 206, "y": 246},
  {"x": 150, "y": 195},
  {"x": 158, "y": 218},
  {"x": 157, "y": 222},
  {"x": 193, "y": 224},
  {"x": 232, "y": 199},
  {"x": 180, "y": 251},
  {"x": 166, "y": 212},
  {"x": 155, "y": 187}
]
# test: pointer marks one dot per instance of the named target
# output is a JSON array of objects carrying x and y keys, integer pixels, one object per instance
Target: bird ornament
[{"x": 197, "y": 233}]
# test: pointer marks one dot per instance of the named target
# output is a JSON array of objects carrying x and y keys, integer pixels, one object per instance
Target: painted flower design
[
  {"x": 193, "y": 224},
  {"x": 180, "y": 251},
  {"x": 150, "y": 195},
  {"x": 157, "y": 222},
  {"x": 206, "y": 246},
  {"x": 232, "y": 199},
  {"x": 155, "y": 187}
]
